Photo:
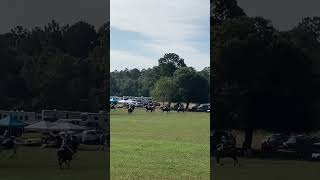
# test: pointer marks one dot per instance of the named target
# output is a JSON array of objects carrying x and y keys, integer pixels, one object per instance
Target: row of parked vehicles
[
  {"x": 302, "y": 144},
  {"x": 201, "y": 107},
  {"x": 91, "y": 137}
]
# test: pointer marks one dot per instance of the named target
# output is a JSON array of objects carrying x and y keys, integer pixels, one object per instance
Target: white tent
[
  {"x": 40, "y": 126},
  {"x": 67, "y": 126},
  {"x": 53, "y": 126}
]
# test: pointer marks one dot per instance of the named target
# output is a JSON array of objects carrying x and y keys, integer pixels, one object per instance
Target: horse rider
[
  {"x": 224, "y": 144},
  {"x": 66, "y": 142},
  {"x": 6, "y": 134},
  {"x": 6, "y": 137}
]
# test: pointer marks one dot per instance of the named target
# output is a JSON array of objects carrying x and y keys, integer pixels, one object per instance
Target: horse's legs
[
  {"x": 60, "y": 163},
  {"x": 68, "y": 164},
  {"x": 218, "y": 160},
  {"x": 235, "y": 161}
]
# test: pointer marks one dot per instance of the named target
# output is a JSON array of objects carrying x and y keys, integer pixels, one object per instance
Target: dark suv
[{"x": 273, "y": 142}]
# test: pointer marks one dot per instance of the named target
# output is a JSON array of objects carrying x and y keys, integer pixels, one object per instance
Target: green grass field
[
  {"x": 36, "y": 163},
  {"x": 157, "y": 145}
]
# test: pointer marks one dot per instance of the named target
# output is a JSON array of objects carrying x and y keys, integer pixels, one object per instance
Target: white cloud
[
  {"x": 170, "y": 26},
  {"x": 192, "y": 56},
  {"x": 124, "y": 59}
]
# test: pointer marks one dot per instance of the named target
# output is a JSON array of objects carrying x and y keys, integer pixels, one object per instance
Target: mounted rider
[
  {"x": 66, "y": 142},
  {"x": 6, "y": 134},
  {"x": 226, "y": 142}
]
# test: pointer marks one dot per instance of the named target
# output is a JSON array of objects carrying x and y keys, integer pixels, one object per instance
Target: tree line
[
  {"x": 55, "y": 67},
  {"x": 170, "y": 81},
  {"x": 263, "y": 78}
]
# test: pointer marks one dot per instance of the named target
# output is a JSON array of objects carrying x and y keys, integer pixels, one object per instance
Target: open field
[
  {"x": 41, "y": 163},
  {"x": 157, "y": 145}
]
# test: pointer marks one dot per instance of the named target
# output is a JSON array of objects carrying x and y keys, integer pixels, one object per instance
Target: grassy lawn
[
  {"x": 157, "y": 145},
  {"x": 36, "y": 163}
]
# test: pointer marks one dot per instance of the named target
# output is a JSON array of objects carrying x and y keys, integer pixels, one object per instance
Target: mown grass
[
  {"x": 36, "y": 163},
  {"x": 160, "y": 146}
]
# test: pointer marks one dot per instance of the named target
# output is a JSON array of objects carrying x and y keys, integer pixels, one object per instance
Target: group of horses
[{"x": 152, "y": 108}]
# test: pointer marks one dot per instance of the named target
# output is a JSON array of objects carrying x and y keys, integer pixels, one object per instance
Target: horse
[
  {"x": 131, "y": 109},
  {"x": 166, "y": 108},
  {"x": 9, "y": 144},
  {"x": 180, "y": 109},
  {"x": 150, "y": 108},
  {"x": 227, "y": 152},
  {"x": 103, "y": 141},
  {"x": 66, "y": 152},
  {"x": 113, "y": 107},
  {"x": 223, "y": 145}
]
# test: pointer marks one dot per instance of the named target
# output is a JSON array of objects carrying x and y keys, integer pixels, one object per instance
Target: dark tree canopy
[
  {"x": 169, "y": 63},
  {"x": 55, "y": 67},
  {"x": 263, "y": 78},
  {"x": 224, "y": 9}
]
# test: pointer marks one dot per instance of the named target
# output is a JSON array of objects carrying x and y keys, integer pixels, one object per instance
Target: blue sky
[{"x": 142, "y": 31}]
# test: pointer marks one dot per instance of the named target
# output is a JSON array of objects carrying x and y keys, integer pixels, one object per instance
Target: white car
[
  {"x": 138, "y": 104},
  {"x": 91, "y": 136}
]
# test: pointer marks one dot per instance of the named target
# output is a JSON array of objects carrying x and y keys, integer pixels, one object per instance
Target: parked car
[
  {"x": 273, "y": 142},
  {"x": 315, "y": 139},
  {"x": 203, "y": 107},
  {"x": 138, "y": 104},
  {"x": 156, "y": 103},
  {"x": 301, "y": 144},
  {"x": 195, "y": 106},
  {"x": 91, "y": 136},
  {"x": 295, "y": 140}
]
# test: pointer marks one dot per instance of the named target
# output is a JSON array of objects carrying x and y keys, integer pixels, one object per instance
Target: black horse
[
  {"x": 9, "y": 144},
  {"x": 227, "y": 152},
  {"x": 104, "y": 141},
  {"x": 223, "y": 145},
  {"x": 112, "y": 106},
  {"x": 181, "y": 109},
  {"x": 150, "y": 108},
  {"x": 131, "y": 108},
  {"x": 166, "y": 108},
  {"x": 66, "y": 153}
]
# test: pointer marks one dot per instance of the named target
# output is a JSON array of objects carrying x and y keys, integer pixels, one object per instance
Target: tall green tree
[
  {"x": 224, "y": 9},
  {"x": 169, "y": 63},
  {"x": 164, "y": 90},
  {"x": 192, "y": 87}
]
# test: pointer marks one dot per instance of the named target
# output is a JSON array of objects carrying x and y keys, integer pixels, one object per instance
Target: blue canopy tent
[
  {"x": 113, "y": 101},
  {"x": 12, "y": 124}
]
